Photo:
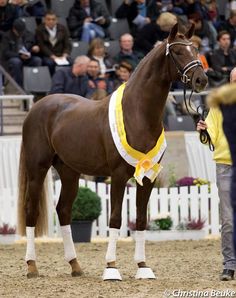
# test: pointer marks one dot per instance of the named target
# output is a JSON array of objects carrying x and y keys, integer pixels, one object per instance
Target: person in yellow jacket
[{"x": 213, "y": 124}]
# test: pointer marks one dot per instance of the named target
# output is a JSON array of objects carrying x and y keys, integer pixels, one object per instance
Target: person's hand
[
  {"x": 102, "y": 21},
  {"x": 201, "y": 125},
  {"x": 35, "y": 49},
  {"x": 147, "y": 20},
  {"x": 224, "y": 68},
  {"x": 24, "y": 57},
  {"x": 88, "y": 20}
]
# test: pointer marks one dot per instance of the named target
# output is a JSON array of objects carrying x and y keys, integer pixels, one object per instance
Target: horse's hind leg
[
  {"x": 35, "y": 201},
  {"x": 69, "y": 180},
  {"x": 142, "y": 198}
]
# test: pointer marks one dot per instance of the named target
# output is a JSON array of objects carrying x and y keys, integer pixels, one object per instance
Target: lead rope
[{"x": 204, "y": 135}]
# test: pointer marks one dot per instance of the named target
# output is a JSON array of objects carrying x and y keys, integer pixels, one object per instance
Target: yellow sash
[{"x": 145, "y": 162}]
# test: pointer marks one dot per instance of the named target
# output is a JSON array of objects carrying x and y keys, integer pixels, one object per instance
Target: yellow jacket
[{"x": 214, "y": 122}]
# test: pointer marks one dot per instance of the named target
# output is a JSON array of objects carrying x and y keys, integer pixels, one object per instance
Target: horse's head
[{"x": 184, "y": 59}]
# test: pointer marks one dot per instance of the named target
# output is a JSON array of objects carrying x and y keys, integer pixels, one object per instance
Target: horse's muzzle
[{"x": 199, "y": 80}]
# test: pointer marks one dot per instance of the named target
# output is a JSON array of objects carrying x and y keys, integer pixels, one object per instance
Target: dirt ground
[{"x": 178, "y": 265}]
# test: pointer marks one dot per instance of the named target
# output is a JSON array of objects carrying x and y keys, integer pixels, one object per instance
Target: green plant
[
  {"x": 5, "y": 229},
  {"x": 87, "y": 205}
]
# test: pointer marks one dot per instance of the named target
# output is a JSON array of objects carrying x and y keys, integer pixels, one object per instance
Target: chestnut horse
[{"x": 73, "y": 135}]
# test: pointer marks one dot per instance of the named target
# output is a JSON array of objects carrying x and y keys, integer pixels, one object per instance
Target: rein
[{"x": 204, "y": 135}]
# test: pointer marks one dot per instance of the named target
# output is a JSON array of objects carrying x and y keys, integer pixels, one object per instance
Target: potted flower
[
  {"x": 85, "y": 209},
  {"x": 161, "y": 229},
  {"x": 7, "y": 234}
]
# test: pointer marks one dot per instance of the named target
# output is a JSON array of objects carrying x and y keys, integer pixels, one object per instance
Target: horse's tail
[{"x": 42, "y": 221}]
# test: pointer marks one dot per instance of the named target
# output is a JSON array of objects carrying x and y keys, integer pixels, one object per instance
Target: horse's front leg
[
  {"x": 142, "y": 198},
  {"x": 117, "y": 192}
]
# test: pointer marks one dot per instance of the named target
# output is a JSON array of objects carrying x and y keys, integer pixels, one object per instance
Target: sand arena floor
[{"x": 178, "y": 265}]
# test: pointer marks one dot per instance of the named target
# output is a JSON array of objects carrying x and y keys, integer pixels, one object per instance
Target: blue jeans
[
  {"x": 223, "y": 175},
  {"x": 16, "y": 64},
  {"x": 90, "y": 31}
]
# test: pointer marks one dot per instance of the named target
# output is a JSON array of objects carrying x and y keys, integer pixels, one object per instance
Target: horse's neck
[{"x": 145, "y": 95}]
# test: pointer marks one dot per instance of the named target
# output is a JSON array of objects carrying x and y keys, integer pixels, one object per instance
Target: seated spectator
[
  {"x": 88, "y": 19},
  {"x": 26, "y": 9},
  {"x": 73, "y": 79},
  {"x": 123, "y": 73},
  {"x": 168, "y": 5},
  {"x": 98, "y": 81},
  {"x": 135, "y": 12},
  {"x": 230, "y": 26},
  {"x": 153, "y": 32},
  {"x": 53, "y": 41},
  {"x": 97, "y": 51},
  {"x": 126, "y": 51},
  {"x": 223, "y": 60},
  {"x": 19, "y": 49},
  {"x": 204, "y": 31},
  {"x": 196, "y": 40},
  {"x": 8, "y": 13}
]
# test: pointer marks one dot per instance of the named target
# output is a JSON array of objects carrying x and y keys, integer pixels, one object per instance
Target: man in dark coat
[
  {"x": 88, "y": 19},
  {"x": 126, "y": 51},
  {"x": 73, "y": 79},
  {"x": 53, "y": 41},
  {"x": 8, "y": 13},
  {"x": 19, "y": 49},
  {"x": 223, "y": 59}
]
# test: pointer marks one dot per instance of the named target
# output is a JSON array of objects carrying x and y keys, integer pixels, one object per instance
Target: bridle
[
  {"x": 183, "y": 72},
  {"x": 204, "y": 135}
]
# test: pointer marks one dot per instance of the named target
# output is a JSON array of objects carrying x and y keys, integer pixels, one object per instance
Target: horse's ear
[
  {"x": 190, "y": 32},
  {"x": 173, "y": 33}
]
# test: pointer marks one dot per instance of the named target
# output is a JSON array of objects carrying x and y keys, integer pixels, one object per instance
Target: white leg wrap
[
  {"x": 111, "y": 249},
  {"x": 69, "y": 248},
  {"x": 139, "y": 255},
  {"x": 30, "y": 247}
]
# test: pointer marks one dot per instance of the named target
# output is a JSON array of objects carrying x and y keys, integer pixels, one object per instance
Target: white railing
[
  {"x": 182, "y": 203},
  {"x": 197, "y": 202}
]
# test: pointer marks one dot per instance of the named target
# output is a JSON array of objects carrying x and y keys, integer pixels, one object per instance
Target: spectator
[
  {"x": 223, "y": 59},
  {"x": 73, "y": 79},
  {"x": 204, "y": 31},
  {"x": 53, "y": 41},
  {"x": 196, "y": 40},
  {"x": 97, "y": 51},
  {"x": 135, "y": 12},
  {"x": 88, "y": 19},
  {"x": 19, "y": 49},
  {"x": 230, "y": 26},
  {"x": 8, "y": 13},
  {"x": 223, "y": 161},
  {"x": 98, "y": 81},
  {"x": 33, "y": 8},
  {"x": 153, "y": 32},
  {"x": 126, "y": 51},
  {"x": 123, "y": 72}
]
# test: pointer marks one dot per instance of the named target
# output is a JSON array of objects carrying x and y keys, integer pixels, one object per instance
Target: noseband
[{"x": 184, "y": 77}]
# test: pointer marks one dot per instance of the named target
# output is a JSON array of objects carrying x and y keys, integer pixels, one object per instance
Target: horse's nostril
[{"x": 198, "y": 81}]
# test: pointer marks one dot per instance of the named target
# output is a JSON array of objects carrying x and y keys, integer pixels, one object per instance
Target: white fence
[{"x": 180, "y": 203}]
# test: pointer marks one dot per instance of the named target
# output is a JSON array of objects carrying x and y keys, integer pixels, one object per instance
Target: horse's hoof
[
  {"x": 112, "y": 274},
  {"x": 77, "y": 273},
  {"x": 32, "y": 274},
  {"x": 145, "y": 273}
]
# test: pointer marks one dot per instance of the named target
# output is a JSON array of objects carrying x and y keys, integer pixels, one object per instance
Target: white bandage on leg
[
  {"x": 30, "y": 247},
  {"x": 111, "y": 249},
  {"x": 69, "y": 248},
  {"x": 139, "y": 255}
]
